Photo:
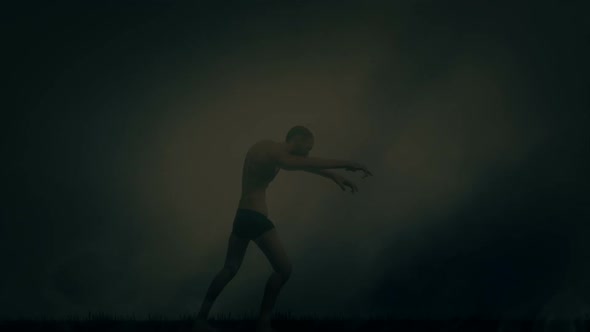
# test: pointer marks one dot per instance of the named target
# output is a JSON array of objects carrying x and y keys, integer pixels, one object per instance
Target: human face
[{"x": 302, "y": 145}]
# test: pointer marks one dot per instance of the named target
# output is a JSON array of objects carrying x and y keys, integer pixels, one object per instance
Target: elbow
[
  {"x": 288, "y": 166},
  {"x": 285, "y": 166}
]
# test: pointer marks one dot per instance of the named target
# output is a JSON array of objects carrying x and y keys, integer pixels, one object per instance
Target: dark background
[{"x": 126, "y": 122}]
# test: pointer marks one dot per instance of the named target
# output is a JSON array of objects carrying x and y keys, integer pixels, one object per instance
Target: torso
[{"x": 257, "y": 173}]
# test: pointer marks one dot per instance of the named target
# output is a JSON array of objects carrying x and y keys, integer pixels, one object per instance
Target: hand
[
  {"x": 358, "y": 167},
  {"x": 344, "y": 182}
]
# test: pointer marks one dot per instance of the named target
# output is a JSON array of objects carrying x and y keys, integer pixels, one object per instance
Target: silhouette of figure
[{"x": 263, "y": 161}]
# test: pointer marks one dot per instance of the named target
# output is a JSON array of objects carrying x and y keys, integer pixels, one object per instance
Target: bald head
[
  {"x": 300, "y": 139},
  {"x": 298, "y": 131}
]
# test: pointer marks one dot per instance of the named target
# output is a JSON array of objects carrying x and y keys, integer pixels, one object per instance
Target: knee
[
  {"x": 285, "y": 271},
  {"x": 231, "y": 269}
]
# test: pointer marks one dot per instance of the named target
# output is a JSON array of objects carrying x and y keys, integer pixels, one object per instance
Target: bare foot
[{"x": 201, "y": 325}]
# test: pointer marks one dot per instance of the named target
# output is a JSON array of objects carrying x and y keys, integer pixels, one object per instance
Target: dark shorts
[{"x": 249, "y": 224}]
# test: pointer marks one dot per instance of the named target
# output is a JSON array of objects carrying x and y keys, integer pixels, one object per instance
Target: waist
[
  {"x": 248, "y": 211},
  {"x": 254, "y": 202}
]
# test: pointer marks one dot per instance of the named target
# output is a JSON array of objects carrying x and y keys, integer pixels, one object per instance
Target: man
[{"x": 262, "y": 163}]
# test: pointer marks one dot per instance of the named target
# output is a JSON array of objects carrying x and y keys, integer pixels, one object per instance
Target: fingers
[
  {"x": 366, "y": 173},
  {"x": 346, "y": 184},
  {"x": 364, "y": 169}
]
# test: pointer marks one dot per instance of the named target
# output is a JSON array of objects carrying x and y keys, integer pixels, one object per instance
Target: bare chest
[{"x": 258, "y": 170}]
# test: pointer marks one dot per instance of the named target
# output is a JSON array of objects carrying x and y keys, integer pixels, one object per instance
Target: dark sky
[{"x": 126, "y": 123}]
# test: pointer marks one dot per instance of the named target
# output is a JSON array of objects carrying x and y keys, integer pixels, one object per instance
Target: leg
[
  {"x": 272, "y": 247},
  {"x": 236, "y": 248}
]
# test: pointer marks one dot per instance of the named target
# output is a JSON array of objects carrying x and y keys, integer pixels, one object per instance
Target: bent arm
[{"x": 291, "y": 162}]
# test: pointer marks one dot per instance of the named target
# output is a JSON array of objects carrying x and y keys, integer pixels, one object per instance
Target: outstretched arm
[
  {"x": 339, "y": 179},
  {"x": 295, "y": 163},
  {"x": 322, "y": 172},
  {"x": 291, "y": 162}
]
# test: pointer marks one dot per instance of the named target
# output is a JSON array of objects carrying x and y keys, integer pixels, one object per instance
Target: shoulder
[
  {"x": 265, "y": 148},
  {"x": 264, "y": 145},
  {"x": 270, "y": 149}
]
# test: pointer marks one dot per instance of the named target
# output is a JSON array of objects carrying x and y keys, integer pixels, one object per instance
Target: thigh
[
  {"x": 272, "y": 247},
  {"x": 236, "y": 249}
]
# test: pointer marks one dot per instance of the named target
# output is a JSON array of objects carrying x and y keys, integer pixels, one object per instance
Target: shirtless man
[{"x": 262, "y": 163}]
